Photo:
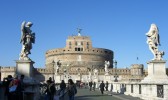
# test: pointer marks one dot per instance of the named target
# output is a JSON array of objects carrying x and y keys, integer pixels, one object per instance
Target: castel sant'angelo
[{"x": 80, "y": 61}]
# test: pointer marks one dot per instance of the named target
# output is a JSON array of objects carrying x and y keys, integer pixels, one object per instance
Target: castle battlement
[{"x": 7, "y": 68}]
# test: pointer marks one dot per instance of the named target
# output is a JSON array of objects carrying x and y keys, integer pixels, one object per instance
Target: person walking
[
  {"x": 90, "y": 85},
  {"x": 21, "y": 88},
  {"x": 102, "y": 85},
  {"x": 71, "y": 89},
  {"x": 106, "y": 86},
  {"x": 94, "y": 86},
  {"x": 13, "y": 88},
  {"x": 50, "y": 90},
  {"x": 62, "y": 89}
]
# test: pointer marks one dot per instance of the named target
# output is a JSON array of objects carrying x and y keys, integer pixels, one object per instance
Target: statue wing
[
  {"x": 23, "y": 31},
  {"x": 157, "y": 36}
]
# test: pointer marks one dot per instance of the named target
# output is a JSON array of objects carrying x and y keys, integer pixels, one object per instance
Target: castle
[{"x": 80, "y": 61}]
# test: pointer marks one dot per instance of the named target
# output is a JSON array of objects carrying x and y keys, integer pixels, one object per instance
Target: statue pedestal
[
  {"x": 25, "y": 67},
  {"x": 57, "y": 79},
  {"x": 156, "y": 72}
]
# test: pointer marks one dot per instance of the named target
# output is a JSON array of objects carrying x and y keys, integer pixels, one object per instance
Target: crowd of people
[
  {"x": 102, "y": 86},
  {"x": 53, "y": 94},
  {"x": 14, "y": 87}
]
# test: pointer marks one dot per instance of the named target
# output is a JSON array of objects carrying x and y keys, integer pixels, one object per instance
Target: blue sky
[{"x": 118, "y": 25}]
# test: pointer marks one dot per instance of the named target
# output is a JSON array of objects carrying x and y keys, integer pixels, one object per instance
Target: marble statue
[
  {"x": 95, "y": 72},
  {"x": 106, "y": 66},
  {"x": 58, "y": 66},
  {"x": 153, "y": 42},
  {"x": 90, "y": 75},
  {"x": 27, "y": 38}
]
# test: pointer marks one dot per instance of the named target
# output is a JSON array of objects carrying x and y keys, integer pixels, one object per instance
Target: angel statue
[
  {"x": 106, "y": 66},
  {"x": 95, "y": 72},
  {"x": 27, "y": 38},
  {"x": 153, "y": 42}
]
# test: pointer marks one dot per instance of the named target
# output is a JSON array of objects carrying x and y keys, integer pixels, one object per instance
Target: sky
[{"x": 118, "y": 25}]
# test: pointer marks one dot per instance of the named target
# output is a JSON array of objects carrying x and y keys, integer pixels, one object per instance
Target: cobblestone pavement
[{"x": 85, "y": 94}]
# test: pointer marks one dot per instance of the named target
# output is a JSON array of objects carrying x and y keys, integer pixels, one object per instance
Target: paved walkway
[{"x": 85, "y": 94}]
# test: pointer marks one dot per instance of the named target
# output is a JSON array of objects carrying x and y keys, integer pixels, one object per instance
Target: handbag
[{"x": 13, "y": 88}]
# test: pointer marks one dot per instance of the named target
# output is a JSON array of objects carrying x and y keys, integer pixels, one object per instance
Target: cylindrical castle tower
[{"x": 79, "y": 53}]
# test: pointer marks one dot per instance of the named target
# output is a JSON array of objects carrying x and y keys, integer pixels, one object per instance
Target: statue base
[
  {"x": 25, "y": 67},
  {"x": 106, "y": 73},
  {"x": 156, "y": 72}
]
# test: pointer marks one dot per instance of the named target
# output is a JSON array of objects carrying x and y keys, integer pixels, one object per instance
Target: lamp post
[
  {"x": 115, "y": 76},
  {"x": 53, "y": 63}
]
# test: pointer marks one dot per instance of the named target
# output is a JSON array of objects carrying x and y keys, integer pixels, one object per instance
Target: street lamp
[
  {"x": 53, "y": 63},
  {"x": 115, "y": 76}
]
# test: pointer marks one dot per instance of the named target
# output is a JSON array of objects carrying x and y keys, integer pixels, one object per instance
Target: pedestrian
[
  {"x": 102, "y": 85},
  {"x": 13, "y": 88},
  {"x": 50, "y": 79},
  {"x": 20, "y": 88},
  {"x": 6, "y": 82},
  {"x": 90, "y": 85},
  {"x": 94, "y": 86},
  {"x": 71, "y": 89},
  {"x": 106, "y": 86},
  {"x": 62, "y": 89},
  {"x": 50, "y": 90}
]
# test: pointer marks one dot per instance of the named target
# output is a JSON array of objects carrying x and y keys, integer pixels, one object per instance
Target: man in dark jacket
[
  {"x": 102, "y": 85},
  {"x": 106, "y": 85},
  {"x": 62, "y": 89},
  {"x": 90, "y": 85},
  {"x": 50, "y": 90}
]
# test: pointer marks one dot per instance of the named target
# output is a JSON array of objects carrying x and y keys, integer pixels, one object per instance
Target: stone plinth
[
  {"x": 156, "y": 72},
  {"x": 25, "y": 67},
  {"x": 57, "y": 79}
]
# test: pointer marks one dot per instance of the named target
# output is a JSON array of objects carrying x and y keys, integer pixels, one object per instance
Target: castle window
[
  {"x": 81, "y": 43},
  {"x": 76, "y": 49},
  {"x": 87, "y": 45},
  {"x": 76, "y": 43}
]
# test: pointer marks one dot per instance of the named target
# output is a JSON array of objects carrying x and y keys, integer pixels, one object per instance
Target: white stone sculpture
[
  {"x": 90, "y": 75},
  {"x": 95, "y": 73},
  {"x": 153, "y": 42},
  {"x": 57, "y": 66},
  {"x": 27, "y": 38},
  {"x": 106, "y": 66}
]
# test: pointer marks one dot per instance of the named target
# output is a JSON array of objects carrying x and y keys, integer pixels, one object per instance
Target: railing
[{"x": 152, "y": 91}]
